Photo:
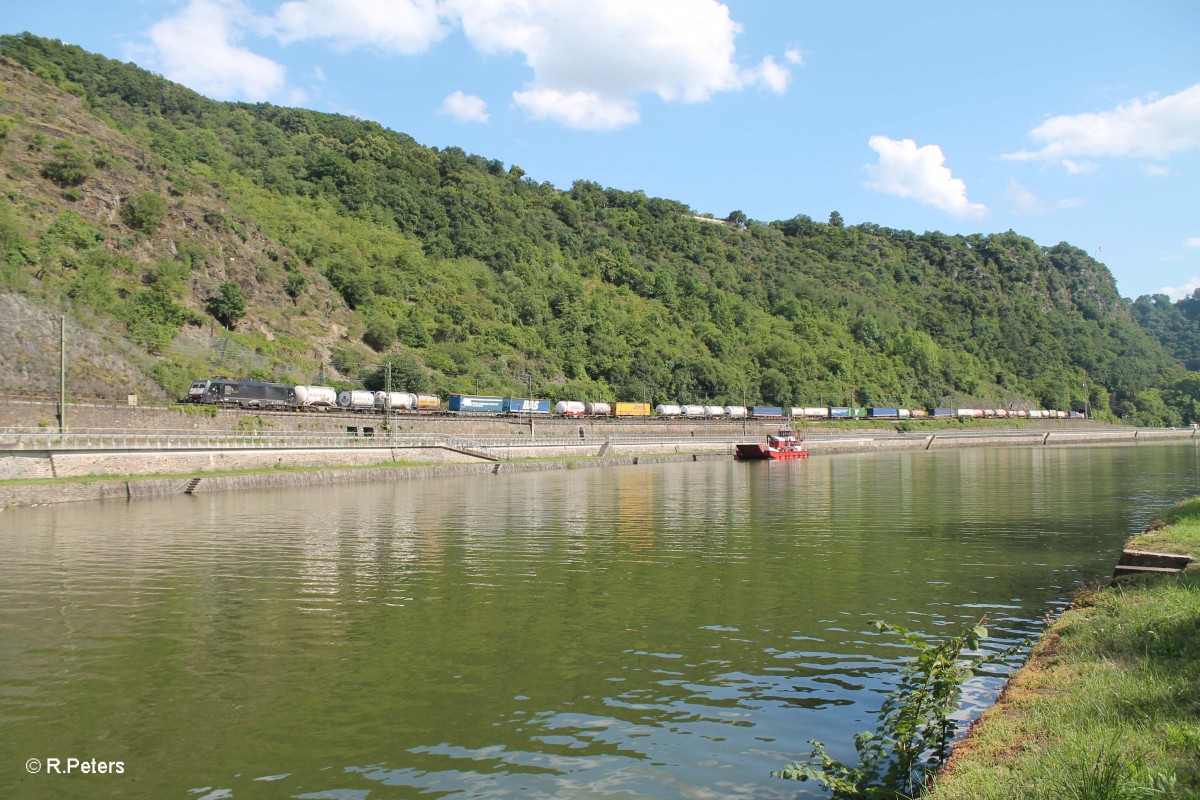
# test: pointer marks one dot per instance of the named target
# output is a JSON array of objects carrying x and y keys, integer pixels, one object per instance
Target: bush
[
  {"x": 144, "y": 212},
  {"x": 69, "y": 165}
]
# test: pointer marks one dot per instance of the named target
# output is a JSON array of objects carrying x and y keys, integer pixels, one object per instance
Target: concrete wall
[
  {"x": 45, "y": 494},
  {"x": 154, "y": 462}
]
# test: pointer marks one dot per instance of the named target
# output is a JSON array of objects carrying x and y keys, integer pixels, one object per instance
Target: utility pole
[
  {"x": 387, "y": 397},
  {"x": 528, "y": 408},
  {"x": 62, "y": 373}
]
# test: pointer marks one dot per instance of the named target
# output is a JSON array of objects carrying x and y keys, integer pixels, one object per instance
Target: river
[{"x": 654, "y": 631}]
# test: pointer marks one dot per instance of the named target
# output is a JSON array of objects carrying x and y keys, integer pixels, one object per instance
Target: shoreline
[
  {"x": 55, "y": 471},
  {"x": 1108, "y": 699},
  {"x": 134, "y": 488}
]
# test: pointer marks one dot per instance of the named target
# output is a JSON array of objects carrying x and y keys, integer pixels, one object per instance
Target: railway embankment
[
  {"x": 42, "y": 467},
  {"x": 1108, "y": 703}
]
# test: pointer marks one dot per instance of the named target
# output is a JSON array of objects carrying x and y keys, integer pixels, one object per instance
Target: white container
[
  {"x": 316, "y": 396},
  {"x": 402, "y": 400},
  {"x": 736, "y": 412},
  {"x": 692, "y": 411},
  {"x": 570, "y": 408},
  {"x": 356, "y": 398},
  {"x": 714, "y": 411},
  {"x": 598, "y": 409},
  {"x": 667, "y": 410}
]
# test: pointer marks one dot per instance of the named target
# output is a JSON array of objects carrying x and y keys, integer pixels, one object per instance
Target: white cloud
[
  {"x": 1026, "y": 202},
  {"x": 1177, "y": 293},
  {"x": 465, "y": 107},
  {"x": 1193, "y": 242},
  {"x": 919, "y": 173},
  {"x": 198, "y": 48},
  {"x": 592, "y": 60},
  {"x": 399, "y": 26},
  {"x": 1022, "y": 199},
  {"x": 1156, "y": 128},
  {"x": 794, "y": 55},
  {"x": 771, "y": 75},
  {"x": 1155, "y": 171},
  {"x": 1079, "y": 167},
  {"x": 583, "y": 110}
]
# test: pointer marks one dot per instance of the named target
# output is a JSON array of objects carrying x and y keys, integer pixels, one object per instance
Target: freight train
[{"x": 281, "y": 396}]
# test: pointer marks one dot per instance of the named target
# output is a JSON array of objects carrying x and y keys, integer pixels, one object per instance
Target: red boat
[{"x": 784, "y": 447}]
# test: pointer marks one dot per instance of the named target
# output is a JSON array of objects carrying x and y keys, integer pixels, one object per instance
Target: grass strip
[{"x": 1108, "y": 704}]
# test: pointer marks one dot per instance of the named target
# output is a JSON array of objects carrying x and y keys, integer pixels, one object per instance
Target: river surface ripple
[{"x": 654, "y": 631}]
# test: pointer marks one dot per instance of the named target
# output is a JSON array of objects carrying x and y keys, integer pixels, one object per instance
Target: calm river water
[{"x": 656, "y": 631}]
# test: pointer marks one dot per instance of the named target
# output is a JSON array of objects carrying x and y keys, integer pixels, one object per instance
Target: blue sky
[{"x": 1065, "y": 121}]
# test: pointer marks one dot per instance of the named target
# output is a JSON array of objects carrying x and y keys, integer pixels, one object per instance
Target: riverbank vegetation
[
  {"x": 294, "y": 245},
  {"x": 1108, "y": 705}
]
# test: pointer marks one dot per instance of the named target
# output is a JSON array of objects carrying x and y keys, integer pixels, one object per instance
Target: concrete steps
[{"x": 1133, "y": 562}]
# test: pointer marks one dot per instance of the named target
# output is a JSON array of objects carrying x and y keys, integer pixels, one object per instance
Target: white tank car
[
  {"x": 316, "y": 396},
  {"x": 356, "y": 399}
]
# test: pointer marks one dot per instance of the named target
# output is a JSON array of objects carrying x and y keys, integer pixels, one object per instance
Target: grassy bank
[{"x": 1108, "y": 705}]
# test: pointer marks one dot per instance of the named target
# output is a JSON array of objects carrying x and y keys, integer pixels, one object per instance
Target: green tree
[
  {"x": 408, "y": 374},
  {"x": 380, "y": 333},
  {"x": 69, "y": 165},
  {"x": 228, "y": 305},
  {"x": 297, "y": 284},
  {"x": 144, "y": 212}
]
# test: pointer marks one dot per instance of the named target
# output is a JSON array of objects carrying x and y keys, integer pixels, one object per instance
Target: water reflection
[{"x": 652, "y": 631}]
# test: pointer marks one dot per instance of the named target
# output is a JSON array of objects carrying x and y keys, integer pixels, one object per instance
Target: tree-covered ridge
[
  {"x": 1176, "y": 325},
  {"x": 480, "y": 276}
]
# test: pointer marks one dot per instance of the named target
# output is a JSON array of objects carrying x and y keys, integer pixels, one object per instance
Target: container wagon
[
  {"x": 766, "y": 412},
  {"x": 570, "y": 408},
  {"x": 631, "y": 409},
  {"x": 398, "y": 400},
  {"x": 356, "y": 399},
  {"x": 473, "y": 404},
  {"x": 520, "y": 405},
  {"x": 315, "y": 396}
]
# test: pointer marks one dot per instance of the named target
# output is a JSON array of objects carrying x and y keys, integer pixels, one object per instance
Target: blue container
[
  {"x": 839, "y": 411},
  {"x": 470, "y": 404},
  {"x": 759, "y": 412},
  {"x": 943, "y": 412},
  {"x": 521, "y": 405},
  {"x": 883, "y": 413}
]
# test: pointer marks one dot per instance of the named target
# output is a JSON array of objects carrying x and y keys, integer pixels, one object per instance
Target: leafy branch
[{"x": 912, "y": 739}]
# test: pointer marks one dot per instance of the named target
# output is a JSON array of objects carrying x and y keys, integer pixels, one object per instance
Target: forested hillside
[{"x": 317, "y": 245}]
